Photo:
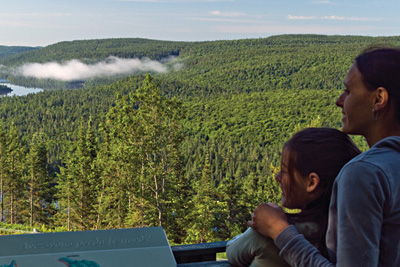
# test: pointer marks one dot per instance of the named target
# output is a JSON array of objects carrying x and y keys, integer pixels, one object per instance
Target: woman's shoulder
[
  {"x": 388, "y": 143},
  {"x": 384, "y": 154},
  {"x": 377, "y": 167}
]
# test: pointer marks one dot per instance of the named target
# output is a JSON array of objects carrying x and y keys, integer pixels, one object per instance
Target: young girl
[
  {"x": 364, "y": 214},
  {"x": 311, "y": 159}
]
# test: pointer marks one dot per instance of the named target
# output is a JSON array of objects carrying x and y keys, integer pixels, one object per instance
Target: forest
[
  {"x": 6, "y": 51},
  {"x": 195, "y": 149}
]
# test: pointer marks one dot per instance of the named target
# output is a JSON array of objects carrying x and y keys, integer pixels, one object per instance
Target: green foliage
[
  {"x": 202, "y": 225},
  {"x": 6, "y": 51},
  {"x": 130, "y": 178},
  {"x": 194, "y": 150},
  {"x": 218, "y": 67},
  {"x": 10, "y": 229},
  {"x": 41, "y": 194},
  {"x": 144, "y": 138},
  {"x": 277, "y": 62},
  {"x": 91, "y": 51},
  {"x": 78, "y": 182}
]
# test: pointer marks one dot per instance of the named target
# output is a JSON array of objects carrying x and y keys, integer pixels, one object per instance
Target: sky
[{"x": 45, "y": 22}]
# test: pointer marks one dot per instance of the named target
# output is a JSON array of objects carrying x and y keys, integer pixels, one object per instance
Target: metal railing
[{"x": 203, "y": 254}]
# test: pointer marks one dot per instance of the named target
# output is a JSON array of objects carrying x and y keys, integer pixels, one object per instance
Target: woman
[
  {"x": 364, "y": 214},
  {"x": 311, "y": 159}
]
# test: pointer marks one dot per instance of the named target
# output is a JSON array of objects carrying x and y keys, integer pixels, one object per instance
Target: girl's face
[
  {"x": 294, "y": 188},
  {"x": 357, "y": 104}
]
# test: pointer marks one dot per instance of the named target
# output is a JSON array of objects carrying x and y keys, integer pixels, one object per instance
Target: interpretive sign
[{"x": 102, "y": 248}]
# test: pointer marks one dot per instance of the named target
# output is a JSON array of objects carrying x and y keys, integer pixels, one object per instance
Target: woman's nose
[{"x": 339, "y": 101}]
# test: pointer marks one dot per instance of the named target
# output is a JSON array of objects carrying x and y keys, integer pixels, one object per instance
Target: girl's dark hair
[
  {"x": 323, "y": 151},
  {"x": 380, "y": 67}
]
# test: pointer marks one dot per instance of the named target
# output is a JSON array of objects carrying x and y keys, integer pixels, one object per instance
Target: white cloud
[
  {"x": 227, "y": 14},
  {"x": 76, "y": 70},
  {"x": 324, "y": 2},
  {"x": 291, "y": 17},
  {"x": 222, "y": 19},
  {"x": 352, "y": 18},
  {"x": 264, "y": 30}
]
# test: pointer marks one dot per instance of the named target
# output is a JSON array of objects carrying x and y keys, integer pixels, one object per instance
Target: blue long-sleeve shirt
[{"x": 364, "y": 214}]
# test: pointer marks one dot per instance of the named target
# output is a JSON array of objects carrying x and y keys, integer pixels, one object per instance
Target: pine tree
[
  {"x": 179, "y": 204},
  {"x": 64, "y": 196},
  {"x": 145, "y": 135},
  {"x": 232, "y": 211},
  {"x": 41, "y": 193},
  {"x": 3, "y": 168},
  {"x": 14, "y": 181},
  {"x": 78, "y": 182},
  {"x": 120, "y": 168},
  {"x": 202, "y": 218}
]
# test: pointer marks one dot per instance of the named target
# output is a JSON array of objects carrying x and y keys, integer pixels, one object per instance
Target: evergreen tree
[
  {"x": 79, "y": 182},
  {"x": 145, "y": 136},
  {"x": 157, "y": 121},
  {"x": 64, "y": 196},
  {"x": 121, "y": 168},
  {"x": 41, "y": 193},
  {"x": 232, "y": 209},
  {"x": 202, "y": 218},
  {"x": 3, "y": 168},
  {"x": 14, "y": 182},
  {"x": 178, "y": 204}
]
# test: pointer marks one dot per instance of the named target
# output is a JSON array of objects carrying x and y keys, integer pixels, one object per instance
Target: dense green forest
[
  {"x": 194, "y": 150},
  {"x": 6, "y": 51},
  {"x": 96, "y": 50}
]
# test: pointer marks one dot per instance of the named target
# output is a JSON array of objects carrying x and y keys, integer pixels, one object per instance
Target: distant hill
[
  {"x": 220, "y": 67},
  {"x": 6, "y": 51},
  {"x": 96, "y": 50},
  {"x": 99, "y": 49},
  {"x": 276, "y": 62}
]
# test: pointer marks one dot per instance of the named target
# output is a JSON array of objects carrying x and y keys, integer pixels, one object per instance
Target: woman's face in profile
[
  {"x": 292, "y": 184},
  {"x": 357, "y": 103}
]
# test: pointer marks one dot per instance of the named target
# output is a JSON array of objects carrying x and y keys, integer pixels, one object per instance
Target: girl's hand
[{"x": 269, "y": 220}]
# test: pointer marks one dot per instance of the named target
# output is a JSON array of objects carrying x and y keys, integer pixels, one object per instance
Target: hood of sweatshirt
[{"x": 392, "y": 142}]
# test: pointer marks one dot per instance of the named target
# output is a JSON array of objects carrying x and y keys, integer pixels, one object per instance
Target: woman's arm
[
  {"x": 270, "y": 220},
  {"x": 362, "y": 191}
]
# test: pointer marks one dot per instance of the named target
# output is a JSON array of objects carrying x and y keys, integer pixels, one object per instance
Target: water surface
[{"x": 18, "y": 90}]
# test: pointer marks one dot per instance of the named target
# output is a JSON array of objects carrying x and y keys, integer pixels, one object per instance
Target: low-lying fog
[{"x": 73, "y": 70}]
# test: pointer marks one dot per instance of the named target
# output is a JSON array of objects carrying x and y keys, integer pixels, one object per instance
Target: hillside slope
[
  {"x": 221, "y": 67},
  {"x": 7, "y": 51},
  {"x": 97, "y": 50}
]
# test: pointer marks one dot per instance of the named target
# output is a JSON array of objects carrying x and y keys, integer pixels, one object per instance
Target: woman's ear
[
  {"x": 381, "y": 98},
  {"x": 312, "y": 182}
]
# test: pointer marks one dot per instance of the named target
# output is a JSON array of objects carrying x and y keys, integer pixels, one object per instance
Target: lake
[{"x": 19, "y": 90}]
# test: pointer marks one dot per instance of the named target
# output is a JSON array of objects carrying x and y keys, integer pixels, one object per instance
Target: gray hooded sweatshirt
[{"x": 364, "y": 214}]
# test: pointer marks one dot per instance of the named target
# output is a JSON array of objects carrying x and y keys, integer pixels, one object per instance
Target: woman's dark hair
[
  {"x": 323, "y": 151},
  {"x": 380, "y": 67}
]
